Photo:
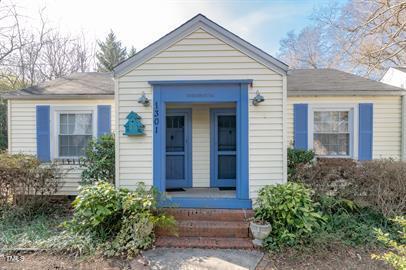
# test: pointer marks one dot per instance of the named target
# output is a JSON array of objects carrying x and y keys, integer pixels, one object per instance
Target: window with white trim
[
  {"x": 331, "y": 133},
  {"x": 333, "y": 130},
  {"x": 75, "y": 130}
]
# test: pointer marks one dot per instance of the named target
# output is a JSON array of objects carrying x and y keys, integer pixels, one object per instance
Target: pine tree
[
  {"x": 110, "y": 53},
  {"x": 132, "y": 51}
]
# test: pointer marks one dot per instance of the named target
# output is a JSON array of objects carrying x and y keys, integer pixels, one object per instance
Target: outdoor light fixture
[
  {"x": 143, "y": 100},
  {"x": 257, "y": 99}
]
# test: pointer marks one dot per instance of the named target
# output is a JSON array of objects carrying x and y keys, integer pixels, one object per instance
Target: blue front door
[
  {"x": 178, "y": 149},
  {"x": 223, "y": 148}
]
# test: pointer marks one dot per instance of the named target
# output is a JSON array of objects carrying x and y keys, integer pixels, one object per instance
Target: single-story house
[{"x": 206, "y": 117}]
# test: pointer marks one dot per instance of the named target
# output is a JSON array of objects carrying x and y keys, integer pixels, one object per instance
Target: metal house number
[{"x": 156, "y": 117}]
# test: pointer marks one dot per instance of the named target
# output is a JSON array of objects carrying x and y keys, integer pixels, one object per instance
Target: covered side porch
[{"x": 200, "y": 143}]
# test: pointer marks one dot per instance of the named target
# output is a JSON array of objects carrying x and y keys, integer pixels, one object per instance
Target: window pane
[
  {"x": 331, "y": 121},
  {"x": 331, "y": 144},
  {"x": 73, "y": 145},
  {"x": 79, "y": 124},
  {"x": 343, "y": 122},
  {"x": 82, "y": 123},
  {"x": 175, "y": 133},
  {"x": 227, "y": 133},
  {"x": 63, "y": 124}
]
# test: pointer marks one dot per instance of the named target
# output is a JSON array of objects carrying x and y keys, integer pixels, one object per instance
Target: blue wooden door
[
  {"x": 223, "y": 148},
  {"x": 178, "y": 149}
]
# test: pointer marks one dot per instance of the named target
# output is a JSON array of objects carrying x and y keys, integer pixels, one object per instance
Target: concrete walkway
[{"x": 202, "y": 259}]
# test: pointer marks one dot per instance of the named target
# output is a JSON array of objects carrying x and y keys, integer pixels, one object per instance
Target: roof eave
[
  {"x": 319, "y": 93},
  {"x": 55, "y": 97}
]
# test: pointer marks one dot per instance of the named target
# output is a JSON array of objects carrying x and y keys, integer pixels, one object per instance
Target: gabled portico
[{"x": 167, "y": 93}]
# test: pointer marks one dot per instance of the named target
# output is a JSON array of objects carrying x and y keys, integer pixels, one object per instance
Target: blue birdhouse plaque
[{"x": 133, "y": 127}]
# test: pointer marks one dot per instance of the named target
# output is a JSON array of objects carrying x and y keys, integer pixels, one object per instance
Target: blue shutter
[
  {"x": 43, "y": 133},
  {"x": 300, "y": 126},
  {"x": 365, "y": 131},
  {"x": 103, "y": 120}
]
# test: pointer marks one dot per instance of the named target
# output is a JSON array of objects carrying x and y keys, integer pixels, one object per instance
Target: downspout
[
  {"x": 117, "y": 132},
  {"x": 10, "y": 150},
  {"x": 403, "y": 126}
]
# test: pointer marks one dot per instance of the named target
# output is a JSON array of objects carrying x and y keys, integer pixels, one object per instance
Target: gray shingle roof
[
  {"x": 77, "y": 85},
  {"x": 403, "y": 69},
  {"x": 300, "y": 82},
  {"x": 332, "y": 82}
]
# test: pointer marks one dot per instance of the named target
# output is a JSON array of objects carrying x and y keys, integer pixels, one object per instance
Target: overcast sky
[{"x": 139, "y": 23}]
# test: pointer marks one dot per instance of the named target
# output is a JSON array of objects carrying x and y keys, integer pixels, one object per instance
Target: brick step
[
  {"x": 204, "y": 242},
  {"x": 210, "y": 214},
  {"x": 204, "y": 228}
]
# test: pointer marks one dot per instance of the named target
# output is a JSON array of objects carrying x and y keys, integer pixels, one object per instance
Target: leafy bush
[
  {"x": 290, "y": 211},
  {"x": 23, "y": 177},
  {"x": 396, "y": 256},
  {"x": 99, "y": 161},
  {"x": 348, "y": 224},
  {"x": 377, "y": 183},
  {"x": 297, "y": 157},
  {"x": 115, "y": 222}
]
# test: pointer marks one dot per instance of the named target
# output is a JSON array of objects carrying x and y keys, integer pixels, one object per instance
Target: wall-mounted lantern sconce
[
  {"x": 144, "y": 100},
  {"x": 257, "y": 99}
]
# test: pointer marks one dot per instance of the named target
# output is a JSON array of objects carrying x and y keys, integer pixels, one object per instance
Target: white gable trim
[{"x": 212, "y": 28}]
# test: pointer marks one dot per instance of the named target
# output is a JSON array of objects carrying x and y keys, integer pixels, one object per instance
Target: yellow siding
[
  {"x": 201, "y": 56},
  {"x": 201, "y": 146},
  {"x": 22, "y": 130},
  {"x": 387, "y": 120}
]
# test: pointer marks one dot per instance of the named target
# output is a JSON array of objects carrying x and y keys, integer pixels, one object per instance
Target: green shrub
[
  {"x": 396, "y": 256},
  {"x": 348, "y": 224},
  {"x": 24, "y": 177},
  {"x": 290, "y": 211},
  {"x": 297, "y": 157},
  {"x": 99, "y": 161},
  {"x": 119, "y": 222}
]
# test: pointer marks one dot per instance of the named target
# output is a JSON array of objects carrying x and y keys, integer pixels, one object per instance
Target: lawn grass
[{"x": 26, "y": 227}]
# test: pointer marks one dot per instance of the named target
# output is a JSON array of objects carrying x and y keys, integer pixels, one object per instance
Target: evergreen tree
[
  {"x": 110, "y": 53},
  {"x": 132, "y": 51}
]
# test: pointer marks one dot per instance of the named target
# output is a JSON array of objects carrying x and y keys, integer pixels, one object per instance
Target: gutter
[
  {"x": 56, "y": 97},
  {"x": 330, "y": 93}
]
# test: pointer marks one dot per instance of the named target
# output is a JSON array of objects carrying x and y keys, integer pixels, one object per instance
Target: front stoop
[{"x": 208, "y": 228}]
